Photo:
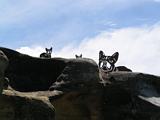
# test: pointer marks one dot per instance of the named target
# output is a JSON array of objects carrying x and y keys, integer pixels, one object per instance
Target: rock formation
[
  {"x": 76, "y": 73},
  {"x": 23, "y": 106},
  {"x": 78, "y": 93},
  {"x": 128, "y": 96},
  {"x": 123, "y": 68},
  {"x": 26, "y": 73},
  {"x": 3, "y": 66}
]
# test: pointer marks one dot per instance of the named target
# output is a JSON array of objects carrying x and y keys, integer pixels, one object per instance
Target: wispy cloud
[
  {"x": 138, "y": 47},
  {"x": 59, "y": 22},
  {"x": 22, "y": 11}
]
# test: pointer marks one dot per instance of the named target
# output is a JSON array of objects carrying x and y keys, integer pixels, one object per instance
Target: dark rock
[
  {"x": 21, "y": 106},
  {"x": 123, "y": 68},
  {"x": 129, "y": 96},
  {"x": 26, "y": 73},
  {"x": 3, "y": 66},
  {"x": 81, "y": 93},
  {"x": 76, "y": 73},
  {"x": 132, "y": 96},
  {"x": 6, "y": 83}
]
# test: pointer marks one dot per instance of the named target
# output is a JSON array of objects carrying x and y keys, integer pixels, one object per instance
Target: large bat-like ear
[
  {"x": 100, "y": 52},
  {"x": 76, "y": 56},
  {"x": 80, "y": 55},
  {"x": 46, "y": 49},
  {"x": 115, "y": 56},
  {"x": 50, "y": 50}
]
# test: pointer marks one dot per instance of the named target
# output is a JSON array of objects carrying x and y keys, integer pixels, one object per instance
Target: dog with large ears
[
  {"x": 46, "y": 54},
  {"x": 80, "y": 56},
  {"x": 112, "y": 60},
  {"x": 103, "y": 60}
]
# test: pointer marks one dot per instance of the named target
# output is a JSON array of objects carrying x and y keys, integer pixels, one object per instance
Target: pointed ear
[
  {"x": 76, "y": 56},
  {"x": 80, "y": 55},
  {"x": 115, "y": 56},
  {"x": 117, "y": 53},
  {"x": 46, "y": 49},
  {"x": 51, "y": 48}
]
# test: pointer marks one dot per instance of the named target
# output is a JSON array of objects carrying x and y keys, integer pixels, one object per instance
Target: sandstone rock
[
  {"x": 133, "y": 96},
  {"x": 22, "y": 106},
  {"x": 129, "y": 96},
  {"x": 77, "y": 71},
  {"x": 3, "y": 66},
  {"x": 81, "y": 95}
]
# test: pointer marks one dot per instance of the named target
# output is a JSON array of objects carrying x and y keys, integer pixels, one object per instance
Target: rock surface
[
  {"x": 76, "y": 73},
  {"x": 80, "y": 94},
  {"x": 3, "y": 66},
  {"x": 124, "y": 96},
  {"x": 123, "y": 68},
  {"x": 26, "y": 73},
  {"x": 21, "y": 106},
  {"x": 133, "y": 96}
]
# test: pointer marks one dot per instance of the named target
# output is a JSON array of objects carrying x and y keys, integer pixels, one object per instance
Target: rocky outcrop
[
  {"x": 80, "y": 94},
  {"x": 3, "y": 66},
  {"x": 77, "y": 72},
  {"x": 26, "y": 73},
  {"x": 132, "y": 96},
  {"x": 123, "y": 68},
  {"x": 22, "y": 106},
  {"x": 123, "y": 95}
]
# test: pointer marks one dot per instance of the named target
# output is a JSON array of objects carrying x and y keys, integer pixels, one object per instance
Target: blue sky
[{"x": 83, "y": 26}]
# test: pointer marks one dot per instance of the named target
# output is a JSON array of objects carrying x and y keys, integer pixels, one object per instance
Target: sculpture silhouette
[{"x": 47, "y": 54}]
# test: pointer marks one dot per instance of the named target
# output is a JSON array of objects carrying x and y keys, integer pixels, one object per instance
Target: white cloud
[
  {"x": 32, "y": 51},
  {"x": 138, "y": 47}
]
